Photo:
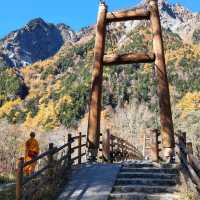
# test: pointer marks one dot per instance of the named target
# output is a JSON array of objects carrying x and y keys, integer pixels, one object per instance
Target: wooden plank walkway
[{"x": 91, "y": 182}]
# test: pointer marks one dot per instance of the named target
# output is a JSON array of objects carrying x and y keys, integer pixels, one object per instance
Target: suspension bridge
[{"x": 97, "y": 166}]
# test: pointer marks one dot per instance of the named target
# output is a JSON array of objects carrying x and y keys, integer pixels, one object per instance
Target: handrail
[
  {"x": 22, "y": 180},
  {"x": 128, "y": 151},
  {"x": 195, "y": 163},
  {"x": 42, "y": 155},
  {"x": 46, "y": 153},
  {"x": 115, "y": 148},
  {"x": 187, "y": 159}
]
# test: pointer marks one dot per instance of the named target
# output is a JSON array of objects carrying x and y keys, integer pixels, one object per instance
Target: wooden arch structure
[{"x": 151, "y": 13}]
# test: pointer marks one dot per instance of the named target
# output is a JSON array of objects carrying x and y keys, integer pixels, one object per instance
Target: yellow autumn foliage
[
  {"x": 58, "y": 85},
  {"x": 147, "y": 68},
  {"x": 188, "y": 52},
  {"x": 2, "y": 97},
  {"x": 190, "y": 102},
  {"x": 46, "y": 117},
  {"x": 8, "y": 106},
  {"x": 64, "y": 100}
]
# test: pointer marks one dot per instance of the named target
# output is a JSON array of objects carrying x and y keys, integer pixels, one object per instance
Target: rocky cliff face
[
  {"x": 177, "y": 19},
  {"x": 181, "y": 21},
  {"x": 39, "y": 40}
]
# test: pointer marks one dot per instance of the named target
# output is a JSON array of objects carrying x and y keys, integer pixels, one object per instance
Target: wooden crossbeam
[
  {"x": 136, "y": 14},
  {"x": 115, "y": 59}
]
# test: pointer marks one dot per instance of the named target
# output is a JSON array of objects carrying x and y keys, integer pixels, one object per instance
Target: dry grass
[
  {"x": 10, "y": 146},
  {"x": 189, "y": 196}
]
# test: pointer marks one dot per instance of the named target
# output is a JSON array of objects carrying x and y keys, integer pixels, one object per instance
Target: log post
[
  {"x": 144, "y": 145},
  {"x": 79, "y": 147},
  {"x": 154, "y": 145},
  {"x": 69, "y": 151},
  {"x": 111, "y": 149},
  {"x": 183, "y": 138},
  {"x": 189, "y": 152},
  {"x": 93, "y": 132},
  {"x": 189, "y": 148},
  {"x": 106, "y": 146},
  {"x": 50, "y": 165},
  {"x": 167, "y": 130},
  {"x": 50, "y": 162},
  {"x": 177, "y": 149},
  {"x": 19, "y": 178},
  {"x": 122, "y": 150},
  {"x": 182, "y": 144},
  {"x": 184, "y": 141}
]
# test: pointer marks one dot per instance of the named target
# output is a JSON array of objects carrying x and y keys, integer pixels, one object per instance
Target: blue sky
[{"x": 76, "y": 13}]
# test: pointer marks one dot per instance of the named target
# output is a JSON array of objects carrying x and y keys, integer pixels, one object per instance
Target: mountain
[
  {"x": 39, "y": 40},
  {"x": 176, "y": 18},
  {"x": 180, "y": 20}
]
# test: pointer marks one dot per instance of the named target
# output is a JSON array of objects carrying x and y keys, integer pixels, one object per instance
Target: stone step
[
  {"x": 144, "y": 181},
  {"x": 143, "y": 196},
  {"x": 150, "y": 169},
  {"x": 143, "y": 189},
  {"x": 146, "y": 175},
  {"x": 138, "y": 165}
]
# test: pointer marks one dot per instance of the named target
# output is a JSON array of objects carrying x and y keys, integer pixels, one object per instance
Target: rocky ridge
[{"x": 39, "y": 40}]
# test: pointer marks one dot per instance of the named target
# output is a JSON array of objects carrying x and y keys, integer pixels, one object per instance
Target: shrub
[
  {"x": 70, "y": 113},
  {"x": 11, "y": 85}
]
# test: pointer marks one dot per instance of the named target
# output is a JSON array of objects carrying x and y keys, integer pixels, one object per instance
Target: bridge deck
[{"x": 91, "y": 182}]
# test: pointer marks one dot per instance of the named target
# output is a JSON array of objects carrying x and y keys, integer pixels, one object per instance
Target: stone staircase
[{"x": 145, "y": 181}]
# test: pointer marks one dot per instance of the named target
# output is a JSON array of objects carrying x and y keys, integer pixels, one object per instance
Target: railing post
[
  {"x": 50, "y": 162},
  {"x": 122, "y": 148},
  {"x": 154, "y": 145},
  {"x": 144, "y": 145},
  {"x": 181, "y": 146},
  {"x": 189, "y": 152},
  {"x": 177, "y": 149},
  {"x": 79, "y": 147},
  {"x": 106, "y": 146},
  {"x": 112, "y": 148},
  {"x": 69, "y": 150},
  {"x": 19, "y": 178},
  {"x": 183, "y": 139},
  {"x": 189, "y": 148}
]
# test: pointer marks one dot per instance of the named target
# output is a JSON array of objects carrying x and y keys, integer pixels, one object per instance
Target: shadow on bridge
[{"x": 91, "y": 181}]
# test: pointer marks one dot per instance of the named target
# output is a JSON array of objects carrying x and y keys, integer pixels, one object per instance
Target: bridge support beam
[
  {"x": 93, "y": 133},
  {"x": 167, "y": 130},
  {"x": 136, "y": 14},
  {"x": 115, "y": 59}
]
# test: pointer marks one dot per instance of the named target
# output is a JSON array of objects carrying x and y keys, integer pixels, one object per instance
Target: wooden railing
[
  {"x": 184, "y": 155},
  {"x": 56, "y": 162},
  {"x": 115, "y": 149}
]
